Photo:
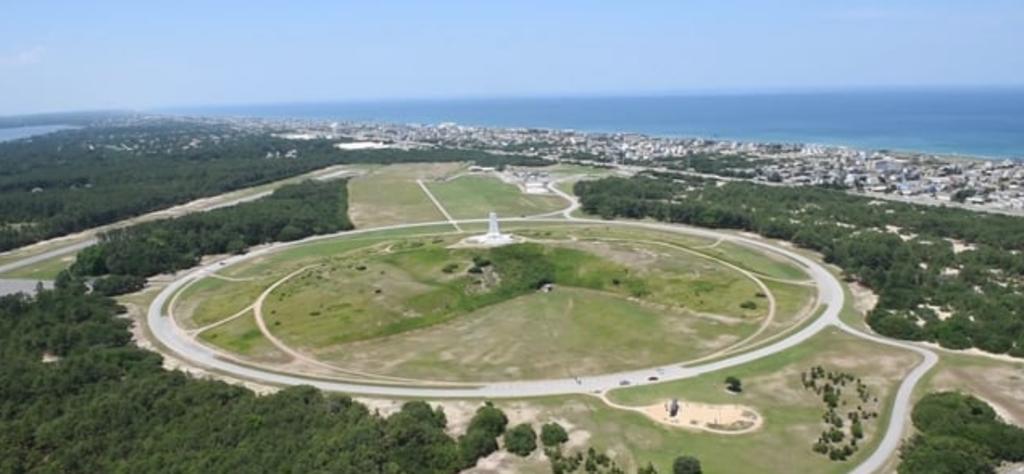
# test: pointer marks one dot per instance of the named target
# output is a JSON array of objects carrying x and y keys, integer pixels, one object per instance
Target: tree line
[
  {"x": 79, "y": 397},
  {"x": 929, "y": 289},
  {"x": 127, "y": 256},
  {"x": 73, "y": 180}
]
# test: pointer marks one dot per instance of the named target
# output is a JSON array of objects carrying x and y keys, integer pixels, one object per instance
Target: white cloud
[{"x": 24, "y": 57}]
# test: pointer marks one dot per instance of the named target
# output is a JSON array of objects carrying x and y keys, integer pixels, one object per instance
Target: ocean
[
  {"x": 14, "y": 133},
  {"x": 981, "y": 122}
]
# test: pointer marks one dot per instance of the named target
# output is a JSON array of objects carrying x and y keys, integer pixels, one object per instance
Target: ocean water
[
  {"x": 983, "y": 123},
  {"x": 14, "y": 133}
]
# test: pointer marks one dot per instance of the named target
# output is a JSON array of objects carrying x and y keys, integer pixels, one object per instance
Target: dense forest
[
  {"x": 77, "y": 397},
  {"x": 959, "y": 434},
  {"x": 290, "y": 213},
  {"x": 77, "y": 179},
  {"x": 942, "y": 274}
]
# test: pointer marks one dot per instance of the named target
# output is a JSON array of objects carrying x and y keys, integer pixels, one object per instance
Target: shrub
[
  {"x": 521, "y": 440},
  {"x": 733, "y": 384},
  {"x": 552, "y": 434},
  {"x": 686, "y": 465}
]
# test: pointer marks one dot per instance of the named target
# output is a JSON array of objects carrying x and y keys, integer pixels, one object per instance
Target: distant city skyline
[{"x": 64, "y": 55}]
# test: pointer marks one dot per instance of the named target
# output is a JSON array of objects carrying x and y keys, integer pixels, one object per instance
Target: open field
[
  {"x": 45, "y": 270},
  {"x": 772, "y": 386},
  {"x": 565, "y": 333},
  {"x": 241, "y": 336},
  {"x": 213, "y": 299},
  {"x": 384, "y": 303},
  {"x": 390, "y": 195},
  {"x": 758, "y": 262},
  {"x": 473, "y": 197},
  {"x": 404, "y": 285}
]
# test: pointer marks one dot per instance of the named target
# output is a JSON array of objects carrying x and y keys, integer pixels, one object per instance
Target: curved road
[{"x": 831, "y": 295}]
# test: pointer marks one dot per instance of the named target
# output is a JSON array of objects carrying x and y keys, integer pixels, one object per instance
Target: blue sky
[{"x": 74, "y": 55}]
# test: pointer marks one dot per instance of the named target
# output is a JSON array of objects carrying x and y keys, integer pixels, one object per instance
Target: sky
[{"x": 95, "y": 54}]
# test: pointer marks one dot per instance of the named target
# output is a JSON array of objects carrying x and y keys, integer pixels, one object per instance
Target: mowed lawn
[
  {"x": 389, "y": 195},
  {"x": 473, "y": 197},
  {"x": 564, "y": 333}
]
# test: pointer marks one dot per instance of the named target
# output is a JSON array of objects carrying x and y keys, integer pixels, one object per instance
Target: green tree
[
  {"x": 686, "y": 465},
  {"x": 521, "y": 440},
  {"x": 945, "y": 455},
  {"x": 552, "y": 434},
  {"x": 733, "y": 384}
]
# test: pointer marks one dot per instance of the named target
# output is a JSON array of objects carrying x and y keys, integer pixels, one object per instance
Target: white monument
[{"x": 493, "y": 237}]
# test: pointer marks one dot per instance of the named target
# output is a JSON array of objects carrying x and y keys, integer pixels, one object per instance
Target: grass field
[
  {"x": 771, "y": 386},
  {"x": 564, "y": 333},
  {"x": 383, "y": 302},
  {"x": 389, "y": 195},
  {"x": 45, "y": 270},
  {"x": 242, "y": 336},
  {"x": 473, "y": 197},
  {"x": 212, "y": 299},
  {"x": 389, "y": 289},
  {"x": 757, "y": 261}
]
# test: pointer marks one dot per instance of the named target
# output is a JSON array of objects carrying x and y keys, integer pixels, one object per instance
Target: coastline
[{"x": 970, "y": 124}]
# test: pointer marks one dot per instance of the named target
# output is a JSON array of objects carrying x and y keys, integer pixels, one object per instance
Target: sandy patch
[
  {"x": 864, "y": 300},
  {"x": 726, "y": 419},
  {"x": 959, "y": 246}
]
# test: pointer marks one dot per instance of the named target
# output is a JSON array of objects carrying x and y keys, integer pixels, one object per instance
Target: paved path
[
  {"x": 166, "y": 331},
  {"x": 437, "y": 204}
]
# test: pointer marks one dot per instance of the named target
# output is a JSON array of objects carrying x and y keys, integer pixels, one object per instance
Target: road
[
  {"x": 176, "y": 340},
  {"x": 830, "y": 294}
]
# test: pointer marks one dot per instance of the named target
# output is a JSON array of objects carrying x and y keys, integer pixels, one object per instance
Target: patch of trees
[
  {"x": 292, "y": 212},
  {"x": 106, "y": 406},
  {"x": 928, "y": 290},
  {"x": 481, "y": 438},
  {"x": 959, "y": 433},
  {"x": 736, "y": 166},
  {"x": 73, "y": 180},
  {"x": 831, "y": 389}
]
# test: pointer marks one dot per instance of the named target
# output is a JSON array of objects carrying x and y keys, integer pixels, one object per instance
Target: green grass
[
  {"x": 790, "y": 302},
  {"x": 772, "y": 386},
  {"x": 242, "y": 336},
  {"x": 44, "y": 270},
  {"x": 389, "y": 195},
  {"x": 402, "y": 285},
  {"x": 469, "y": 197},
  {"x": 211, "y": 299},
  {"x": 567, "y": 332},
  {"x": 758, "y": 262}
]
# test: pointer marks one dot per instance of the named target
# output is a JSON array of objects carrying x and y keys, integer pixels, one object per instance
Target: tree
[
  {"x": 552, "y": 434},
  {"x": 686, "y": 465},
  {"x": 521, "y": 440},
  {"x": 475, "y": 445},
  {"x": 733, "y": 384},
  {"x": 945, "y": 455}
]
